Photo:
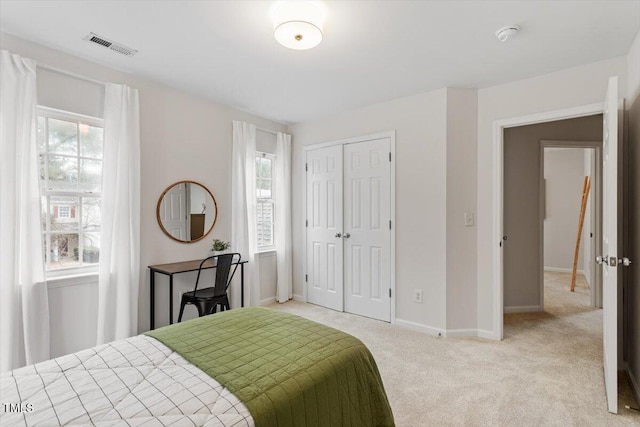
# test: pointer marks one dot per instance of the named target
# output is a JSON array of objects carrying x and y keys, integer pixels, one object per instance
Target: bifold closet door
[
  {"x": 324, "y": 227},
  {"x": 367, "y": 234}
]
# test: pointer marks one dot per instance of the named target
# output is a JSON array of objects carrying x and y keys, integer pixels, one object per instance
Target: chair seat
[{"x": 206, "y": 293}]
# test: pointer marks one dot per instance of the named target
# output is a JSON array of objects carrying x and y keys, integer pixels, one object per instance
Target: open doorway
[
  {"x": 525, "y": 257},
  {"x": 571, "y": 197}
]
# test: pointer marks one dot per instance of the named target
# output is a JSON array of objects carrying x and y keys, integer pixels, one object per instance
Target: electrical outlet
[
  {"x": 417, "y": 296},
  {"x": 469, "y": 219}
]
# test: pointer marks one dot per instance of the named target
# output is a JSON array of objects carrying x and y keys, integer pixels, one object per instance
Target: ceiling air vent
[{"x": 116, "y": 47}]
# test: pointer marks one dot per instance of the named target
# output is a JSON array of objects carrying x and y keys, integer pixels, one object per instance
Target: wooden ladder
[{"x": 583, "y": 207}]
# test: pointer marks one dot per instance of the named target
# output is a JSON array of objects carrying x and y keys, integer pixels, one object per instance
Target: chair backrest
[{"x": 224, "y": 272}]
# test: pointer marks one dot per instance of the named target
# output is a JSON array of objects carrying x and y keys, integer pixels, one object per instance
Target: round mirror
[{"x": 187, "y": 211}]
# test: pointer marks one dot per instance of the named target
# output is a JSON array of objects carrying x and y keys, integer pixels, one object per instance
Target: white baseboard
[
  {"x": 523, "y": 309},
  {"x": 461, "y": 333},
  {"x": 419, "y": 327},
  {"x": 267, "y": 301},
  {"x": 299, "y": 298},
  {"x": 562, "y": 270},
  {"x": 488, "y": 335},
  {"x": 635, "y": 387}
]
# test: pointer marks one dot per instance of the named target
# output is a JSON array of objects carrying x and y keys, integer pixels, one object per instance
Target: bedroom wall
[
  {"x": 462, "y": 134},
  {"x": 564, "y": 172},
  {"x": 567, "y": 88},
  {"x": 633, "y": 196},
  {"x": 183, "y": 136},
  {"x": 421, "y": 196}
]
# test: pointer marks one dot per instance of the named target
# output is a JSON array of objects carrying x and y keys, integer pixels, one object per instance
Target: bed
[{"x": 243, "y": 367}]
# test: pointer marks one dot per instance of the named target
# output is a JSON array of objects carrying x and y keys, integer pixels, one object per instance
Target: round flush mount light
[
  {"x": 298, "y": 24},
  {"x": 506, "y": 32}
]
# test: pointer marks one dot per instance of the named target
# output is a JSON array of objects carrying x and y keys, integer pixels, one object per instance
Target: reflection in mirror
[{"x": 187, "y": 211}]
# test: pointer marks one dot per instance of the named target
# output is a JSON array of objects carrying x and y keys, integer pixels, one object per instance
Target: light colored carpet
[{"x": 546, "y": 372}]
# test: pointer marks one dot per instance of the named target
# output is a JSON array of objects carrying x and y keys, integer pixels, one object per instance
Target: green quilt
[{"x": 287, "y": 370}]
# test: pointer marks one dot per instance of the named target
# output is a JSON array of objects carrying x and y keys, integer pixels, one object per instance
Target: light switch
[{"x": 468, "y": 219}]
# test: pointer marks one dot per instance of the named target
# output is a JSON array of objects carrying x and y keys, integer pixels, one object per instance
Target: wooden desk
[{"x": 183, "y": 267}]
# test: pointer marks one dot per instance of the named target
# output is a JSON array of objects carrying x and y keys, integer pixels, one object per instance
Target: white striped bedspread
[{"x": 133, "y": 382}]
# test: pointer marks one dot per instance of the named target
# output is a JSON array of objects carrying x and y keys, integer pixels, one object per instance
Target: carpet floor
[{"x": 546, "y": 372}]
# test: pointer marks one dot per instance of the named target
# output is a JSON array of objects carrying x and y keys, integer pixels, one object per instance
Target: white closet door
[
  {"x": 324, "y": 227},
  {"x": 367, "y": 234}
]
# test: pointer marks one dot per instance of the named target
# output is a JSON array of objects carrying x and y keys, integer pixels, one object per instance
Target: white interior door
[
  {"x": 610, "y": 243},
  {"x": 173, "y": 211},
  {"x": 324, "y": 227},
  {"x": 367, "y": 234}
]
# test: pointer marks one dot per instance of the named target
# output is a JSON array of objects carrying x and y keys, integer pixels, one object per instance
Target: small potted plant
[{"x": 220, "y": 246}]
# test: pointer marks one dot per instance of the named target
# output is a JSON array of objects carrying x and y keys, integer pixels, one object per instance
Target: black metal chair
[{"x": 207, "y": 300}]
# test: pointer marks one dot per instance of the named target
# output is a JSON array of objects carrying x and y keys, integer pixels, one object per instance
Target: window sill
[
  {"x": 266, "y": 252},
  {"x": 63, "y": 281}
]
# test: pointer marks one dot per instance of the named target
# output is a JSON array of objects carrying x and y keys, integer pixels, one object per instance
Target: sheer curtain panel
[
  {"x": 244, "y": 233},
  {"x": 284, "y": 287},
  {"x": 119, "y": 279},
  {"x": 24, "y": 305}
]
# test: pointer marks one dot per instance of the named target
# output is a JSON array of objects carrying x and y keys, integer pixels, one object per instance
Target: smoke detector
[
  {"x": 506, "y": 32},
  {"x": 109, "y": 44}
]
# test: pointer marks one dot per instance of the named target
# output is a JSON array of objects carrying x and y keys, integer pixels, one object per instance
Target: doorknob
[
  {"x": 602, "y": 260},
  {"x": 347, "y": 235},
  {"x": 624, "y": 261},
  {"x": 338, "y": 235}
]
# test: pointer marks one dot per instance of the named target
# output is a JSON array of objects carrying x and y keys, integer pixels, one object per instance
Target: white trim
[
  {"x": 58, "y": 114},
  {"x": 461, "y": 333},
  {"x": 562, "y": 270},
  {"x": 523, "y": 309},
  {"x": 300, "y": 298},
  {"x": 488, "y": 335},
  {"x": 267, "y": 301},
  {"x": 419, "y": 327},
  {"x": 498, "y": 175},
  {"x": 392, "y": 184}
]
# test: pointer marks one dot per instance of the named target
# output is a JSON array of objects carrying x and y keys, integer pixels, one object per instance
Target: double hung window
[{"x": 70, "y": 153}]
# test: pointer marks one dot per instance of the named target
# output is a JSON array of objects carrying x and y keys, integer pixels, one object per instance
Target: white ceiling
[{"x": 372, "y": 51}]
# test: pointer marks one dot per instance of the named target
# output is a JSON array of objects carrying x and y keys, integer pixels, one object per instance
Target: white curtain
[
  {"x": 244, "y": 234},
  {"x": 24, "y": 305},
  {"x": 283, "y": 217},
  {"x": 119, "y": 279}
]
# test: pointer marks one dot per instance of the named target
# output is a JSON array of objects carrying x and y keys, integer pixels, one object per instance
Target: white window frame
[
  {"x": 272, "y": 157},
  {"x": 79, "y": 270}
]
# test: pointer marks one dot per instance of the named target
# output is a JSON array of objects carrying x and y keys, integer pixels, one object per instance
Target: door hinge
[
  {"x": 306, "y": 278},
  {"x": 306, "y": 167},
  {"x": 306, "y": 222},
  {"x": 389, "y": 224},
  {"x": 389, "y": 292},
  {"x": 389, "y": 155}
]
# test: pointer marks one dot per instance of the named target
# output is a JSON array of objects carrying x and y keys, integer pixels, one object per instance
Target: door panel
[
  {"x": 324, "y": 219},
  {"x": 367, "y": 238},
  {"x": 610, "y": 243}
]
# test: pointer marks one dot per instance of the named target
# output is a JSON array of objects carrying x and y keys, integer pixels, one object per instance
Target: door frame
[
  {"x": 595, "y": 195},
  {"x": 498, "y": 197},
  {"x": 392, "y": 138}
]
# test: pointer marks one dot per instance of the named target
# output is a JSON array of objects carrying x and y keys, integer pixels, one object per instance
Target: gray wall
[
  {"x": 522, "y": 189},
  {"x": 633, "y": 279}
]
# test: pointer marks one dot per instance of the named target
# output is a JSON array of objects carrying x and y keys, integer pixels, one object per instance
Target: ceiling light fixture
[
  {"x": 505, "y": 33},
  {"x": 298, "y": 24}
]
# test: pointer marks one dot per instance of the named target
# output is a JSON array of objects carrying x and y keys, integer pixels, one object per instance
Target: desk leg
[
  {"x": 171, "y": 299},
  {"x": 241, "y": 285},
  {"x": 152, "y": 287}
]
